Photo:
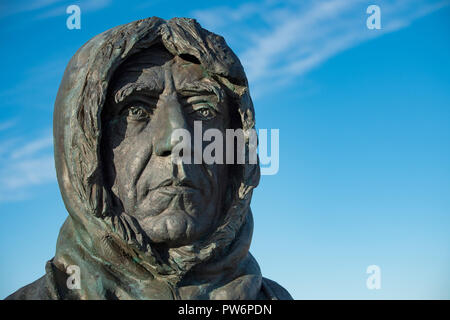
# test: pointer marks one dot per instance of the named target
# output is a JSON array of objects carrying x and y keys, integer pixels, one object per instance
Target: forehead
[{"x": 146, "y": 71}]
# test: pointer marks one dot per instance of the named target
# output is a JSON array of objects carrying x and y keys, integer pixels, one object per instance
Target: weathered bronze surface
[{"x": 140, "y": 226}]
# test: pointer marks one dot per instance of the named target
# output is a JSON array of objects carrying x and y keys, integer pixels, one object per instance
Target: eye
[
  {"x": 205, "y": 112},
  {"x": 202, "y": 112},
  {"x": 137, "y": 112}
]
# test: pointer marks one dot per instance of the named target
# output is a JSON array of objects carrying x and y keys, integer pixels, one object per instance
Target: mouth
[
  {"x": 170, "y": 186},
  {"x": 170, "y": 190}
]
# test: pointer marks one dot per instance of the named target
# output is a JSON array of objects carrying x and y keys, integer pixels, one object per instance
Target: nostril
[
  {"x": 162, "y": 146},
  {"x": 163, "y": 153},
  {"x": 189, "y": 58}
]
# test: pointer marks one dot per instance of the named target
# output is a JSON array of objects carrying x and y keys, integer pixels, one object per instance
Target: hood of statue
[{"x": 141, "y": 226}]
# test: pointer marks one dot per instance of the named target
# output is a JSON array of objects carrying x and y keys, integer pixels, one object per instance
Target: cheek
[
  {"x": 219, "y": 175},
  {"x": 216, "y": 171},
  {"x": 123, "y": 128},
  {"x": 128, "y": 148}
]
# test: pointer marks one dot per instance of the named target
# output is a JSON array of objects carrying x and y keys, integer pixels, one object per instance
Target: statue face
[{"x": 152, "y": 95}]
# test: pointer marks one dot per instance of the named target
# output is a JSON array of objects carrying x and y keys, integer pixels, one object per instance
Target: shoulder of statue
[
  {"x": 41, "y": 289},
  {"x": 32, "y": 291},
  {"x": 274, "y": 291}
]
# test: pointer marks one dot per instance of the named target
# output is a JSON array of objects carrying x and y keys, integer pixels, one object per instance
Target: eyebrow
[
  {"x": 202, "y": 87},
  {"x": 187, "y": 90},
  {"x": 139, "y": 88}
]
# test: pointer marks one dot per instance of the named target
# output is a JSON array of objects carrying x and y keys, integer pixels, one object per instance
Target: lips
[
  {"x": 171, "y": 186},
  {"x": 169, "y": 190}
]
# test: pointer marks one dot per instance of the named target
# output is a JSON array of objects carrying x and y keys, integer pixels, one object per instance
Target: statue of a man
[{"x": 140, "y": 225}]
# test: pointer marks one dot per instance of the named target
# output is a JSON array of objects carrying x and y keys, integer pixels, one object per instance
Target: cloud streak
[
  {"x": 7, "y": 124},
  {"x": 21, "y": 6},
  {"x": 32, "y": 147},
  {"x": 43, "y": 9},
  {"x": 25, "y": 164},
  {"x": 289, "y": 39},
  {"x": 85, "y": 6}
]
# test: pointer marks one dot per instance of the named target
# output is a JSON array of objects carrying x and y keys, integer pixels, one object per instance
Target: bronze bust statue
[{"x": 139, "y": 225}]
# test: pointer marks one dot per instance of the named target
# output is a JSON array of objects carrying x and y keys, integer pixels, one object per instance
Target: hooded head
[{"x": 132, "y": 211}]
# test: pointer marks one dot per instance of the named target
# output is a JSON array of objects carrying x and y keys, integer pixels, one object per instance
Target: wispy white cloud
[
  {"x": 287, "y": 39},
  {"x": 25, "y": 164},
  {"x": 85, "y": 6},
  {"x": 21, "y": 6},
  {"x": 43, "y": 9},
  {"x": 7, "y": 124},
  {"x": 6, "y": 145},
  {"x": 222, "y": 16},
  {"x": 32, "y": 147},
  {"x": 29, "y": 172}
]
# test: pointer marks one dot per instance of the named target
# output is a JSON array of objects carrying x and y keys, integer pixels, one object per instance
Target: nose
[{"x": 169, "y": 117}]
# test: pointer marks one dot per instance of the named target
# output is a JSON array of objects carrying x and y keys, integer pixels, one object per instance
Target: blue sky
[{"x": 364, "y": 120}]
